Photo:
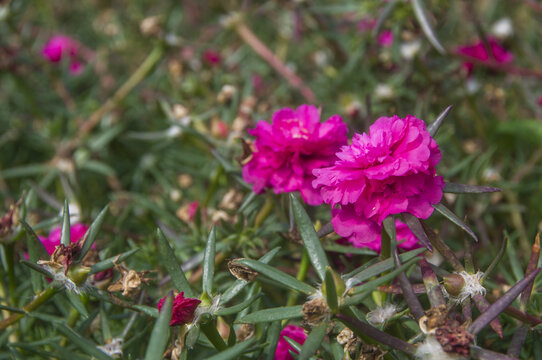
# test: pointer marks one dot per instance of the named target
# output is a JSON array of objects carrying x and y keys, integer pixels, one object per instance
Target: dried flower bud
[
  {"x": 226, "y": 94},
  {"x": 245, "y": 332},
  {"x": 231, "y": 200},
  {"x": 179, "y": 111},
  {"x": 8, "y": 221},
  {"x": 371, "y": 352},
  {"x": 130, "y": 281},
  {"x": 315, "y": 311},
  {"x": 344, "y": 336},
  {"x": 150, "y": 26},
  {"x": 248, "y": 150},
  {"x": 454, "y": 339},
  {"x": 433, "y": 318},
  {"x": 242, "y": 272},
  {"x": 185, "y": 181}
]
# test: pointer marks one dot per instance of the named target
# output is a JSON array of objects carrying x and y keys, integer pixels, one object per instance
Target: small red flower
[
  {"x": 212, "y": 58},
  {"x": 183, "y": 309}
]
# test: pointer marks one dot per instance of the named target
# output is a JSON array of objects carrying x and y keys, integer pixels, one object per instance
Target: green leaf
[
  {"x": 348, "y": 249},
  {"x": 313, "y": 342},
  {"x": 363, "y": 290},
  {"x": 82, "y": 343},
  {"x": 310, "y": 238},
  {"x": 172, "y": 266},
  {"x": 235, "y": 351},
  {"x": 76, "y": 302},
  {"x": 24, "y": 171},
  {"x": 92, "y": 232},
  {"x": 35, "y": 246},
  {"x": 273, "y": 314},
  {"x": 455, "y": 219},
  {"x": 495, "y": 261},
  {"x": 37, "y": 268},
  {"x": 239, "y": 307},
  {"x": 391, "y": 231},
  {"x": 380, "y": 267},
  {"x": 419, "y": 11},
  {"x": 277, "y": 275},
  {"x": 149, "y": 310},
  {"x": 435, "y": 125},
  {"x": 209, "y": 262},
  {"x": 159, "y": 334},
  {"x": 383, "y": 16},
  {"x": 331, "y": 291},
  {"x": 416, "y": 227},
  {"x": 110, "y": 262},
  {"x": 239, "y": 284},
  {"x": 273, "y": 334},
  {"x": 468, "y": 189},
  {"x": 65, "y": 234}
]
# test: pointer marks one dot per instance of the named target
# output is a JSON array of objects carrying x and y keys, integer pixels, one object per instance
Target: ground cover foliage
[{"x": 147, "y": 213}]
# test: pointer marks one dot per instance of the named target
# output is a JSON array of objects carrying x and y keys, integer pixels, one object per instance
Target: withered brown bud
[
  {"x": 245, "y": 332},
  {"x": 454, "y": 339},
  {"x": 248, "y": 150},
  {"x": 344, "y": 336},
  {"x": 130, "y": 281},
  {"x": 371, "y": 352},
  {"x": 453, "y": 284},
  {"x": 226, "y": 94},
  {"x": 150, "y": 26},
  {"x": 315, "y": 311},
  {"x": 242, "y": 272},
  {"x": 434, "y": 318}
]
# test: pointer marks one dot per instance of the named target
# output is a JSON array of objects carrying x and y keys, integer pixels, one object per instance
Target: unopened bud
[{"x": 453, "y": 284}]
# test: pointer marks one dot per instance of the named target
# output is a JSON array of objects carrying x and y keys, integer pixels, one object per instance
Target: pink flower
[
  {"x": 183, "y": 309},
  {"x": 293, "y": 332},
  {"x": 540, "y": 101},
  {"x": 385, "y": 39},
  {"x": 212, "y": 58},
  {"x": 60, "y": 47},
  {"x": 192, "y": 209},
  {"x": 77, "y": 231},
  {"x": 288, "y": 150},
  {"x": 366, "y": 24},
  {"x": 478, "y": 51},
  {"x": 405, "y": 239},
  {"x": 389, "y": 171}
]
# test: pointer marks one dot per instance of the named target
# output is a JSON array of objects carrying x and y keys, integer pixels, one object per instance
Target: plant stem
[
  {"x": 264, "y": 212},
  {"x": 138, "y": 75},
  {"x": 276, "y": 63},
  {"x": 301, "y": 274},
  {"x": 40, "y": 298}
]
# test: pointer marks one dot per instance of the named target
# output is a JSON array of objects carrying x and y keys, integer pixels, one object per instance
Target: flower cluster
[
  {"x": 389, "y": 171},
  {"x": 60, "y": 47},
  {"x": 183, "y": 309},
  {"x": 288, "y": 150}
]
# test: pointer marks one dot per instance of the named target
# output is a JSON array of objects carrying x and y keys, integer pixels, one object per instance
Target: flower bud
[
  {"x": 242, "y": 272},
  {"x": 454, "y": 284}
]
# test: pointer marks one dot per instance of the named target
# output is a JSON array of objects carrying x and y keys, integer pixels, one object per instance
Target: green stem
[
  {"x": 264, "y": 212},
  {"x": 40, "y": 298},
  {"x": 10, "y": 252},
  {"x": 301, "y": 275},
  {"x": 212, "y": 334}
]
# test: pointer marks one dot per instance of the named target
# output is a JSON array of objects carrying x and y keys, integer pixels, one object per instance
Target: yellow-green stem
[
  {"x": 40, "y": 298},
  {"x": 301, "y": 275},
  {"x": 264, "y": 212}
]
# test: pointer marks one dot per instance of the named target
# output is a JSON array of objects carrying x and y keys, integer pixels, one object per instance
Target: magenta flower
[
  {"x": 183, "y": 309},
  {"x": 77, "y": 231},
  {"x": 288, "y": 150},
  {"x": 212, "y": 58},
  {"x": 478, "y": 51},
  {"x": 385, "y": 39},
  {"x": 389, "y": 171},
  {"x": 60, "y": 47},
  {"x": 293, "y": 332}
]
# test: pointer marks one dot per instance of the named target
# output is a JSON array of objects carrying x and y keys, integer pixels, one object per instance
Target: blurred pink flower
[
  {"x": 478, "y": 51},
  {"x": 60, "y": 47},
  {"x": 192, "y": 209},
  {"x": 212, "y": 58},
  {"x": 389, "y": 171},
  {"x": 293, "y": 332},
  {"x": 288, "y": 150},
  {"x": 540, "y": 101},
  {"x": 183, "y": 309},
  {"x": 385, "y": 39},
  {"x": 366, "y": 24},
  {"x": 77, "y": 231}
]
